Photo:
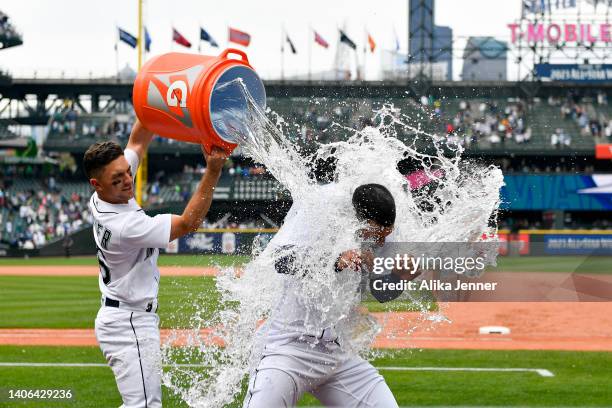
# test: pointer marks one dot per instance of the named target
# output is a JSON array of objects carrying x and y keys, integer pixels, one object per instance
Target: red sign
[
  {"x": 510, "y": 243},
  {"x": 603, "y": 151}
]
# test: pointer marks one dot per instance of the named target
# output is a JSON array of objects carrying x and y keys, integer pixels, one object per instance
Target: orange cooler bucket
[{"x": 182, "y": 97}]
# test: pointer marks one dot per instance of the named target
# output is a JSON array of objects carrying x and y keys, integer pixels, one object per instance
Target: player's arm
[
  {"x": 199, "y": 204},
  {"x": 140, "y": 138}
]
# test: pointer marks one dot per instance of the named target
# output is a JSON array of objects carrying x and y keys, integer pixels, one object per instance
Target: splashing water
[{"x": 457, "y": 208}]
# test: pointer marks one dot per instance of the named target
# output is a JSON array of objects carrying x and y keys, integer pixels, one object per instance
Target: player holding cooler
[{"x": 128, "y": 242}]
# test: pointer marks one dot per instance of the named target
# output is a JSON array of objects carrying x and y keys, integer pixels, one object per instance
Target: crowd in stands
[
  {"x": 31, "y": 219},
  {"x": 592, "y": 121},
  {"x": 482, "y": 123},
  {"x": 473, "y": 123},
  {"x": 468, "y": 123},
  {"x": 478, "y": 122},
  {"x": 69, "y": 122},
  {"x": 232, "y": 168}
]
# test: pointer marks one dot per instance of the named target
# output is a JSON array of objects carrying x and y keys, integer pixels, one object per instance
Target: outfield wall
[
  {"x": 243, "y": 241},
  {"x": 556, "y": 242}
]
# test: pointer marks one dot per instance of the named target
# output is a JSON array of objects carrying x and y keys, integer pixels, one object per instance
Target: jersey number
[{"x": 104, "y": 269}]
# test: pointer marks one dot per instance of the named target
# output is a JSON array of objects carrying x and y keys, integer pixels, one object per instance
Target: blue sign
[
  {"x": 565, "y": 244},
  {"x": 574, "y": 72},
  {"x": 557, "y": 192}
]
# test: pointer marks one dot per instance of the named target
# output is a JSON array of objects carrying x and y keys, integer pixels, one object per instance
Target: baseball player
[
  {"x": 128, "y": 242},
  {"x": 294, "y": 360}
]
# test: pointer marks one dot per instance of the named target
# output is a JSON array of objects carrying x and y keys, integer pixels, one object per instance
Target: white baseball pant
[
  {"x": 285, "y": 372},
  {"x": 130, "y": 343}
]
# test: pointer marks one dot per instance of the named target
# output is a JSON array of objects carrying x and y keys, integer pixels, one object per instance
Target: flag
[
  {"x": 179, "y": 39},
  {"x": 239, "y": 37},
  {"x": 397, "y": 43},
  {"x": 293, "y": 50},
  {"x": 371, "y": 42},
  {"x": 147, "y": 40},
  {"x": 128, "y": 38},
  {"x": 204, "y": 36},
  {"x": 320, "y": 40},
  {"x": 344, "y": 38}
]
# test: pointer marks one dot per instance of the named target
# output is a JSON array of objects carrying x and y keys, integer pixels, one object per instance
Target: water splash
[{"x": 456, "y": 206}]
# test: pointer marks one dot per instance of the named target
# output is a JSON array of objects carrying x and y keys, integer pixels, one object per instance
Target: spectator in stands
[
  {"x": 608, "y": 131},
  {"x": 560, "y": 138},
  {"x": 602, "y": 98}
]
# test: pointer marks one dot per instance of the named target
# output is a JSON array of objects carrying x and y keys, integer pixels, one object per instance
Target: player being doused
[{"x": 294, "y": 359}]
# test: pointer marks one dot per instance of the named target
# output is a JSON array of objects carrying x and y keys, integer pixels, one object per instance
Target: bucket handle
[{"x": 228, "y": 51}]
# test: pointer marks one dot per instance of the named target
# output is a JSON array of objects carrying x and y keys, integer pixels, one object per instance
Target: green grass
[
  {"x": 164, "y": 260},
  {"x": 73, "y": 301},
  {"x": 581, "y": 378},
  {"x": 566, "y": 264},
  {"x": 582, "y": 264}
]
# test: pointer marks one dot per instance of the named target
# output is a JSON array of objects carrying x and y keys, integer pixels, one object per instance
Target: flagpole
[
  {"x": 172, "y": 42},
  {"x": 117, "y": 49},
  {"x": 282, "y": 53},
  {"x": 397, "y": 53},
  {"x": 200, "y": 40},
  {"x": 141, "y": 174},
  {"x": 140, "y": 34},
  {"x": 310, "y": 34},
  {"x": 365, "y": 52}
]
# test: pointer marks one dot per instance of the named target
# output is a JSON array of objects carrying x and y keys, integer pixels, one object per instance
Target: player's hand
[
  {"x": 349, "y": 260},
  {"x": 215, "y": 159},
  {"x": 367, "y": 259}
]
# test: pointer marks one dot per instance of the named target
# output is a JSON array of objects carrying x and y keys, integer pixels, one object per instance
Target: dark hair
[
  {"x": 374, "y": 202},
  {"x": 99, "y": 155}
]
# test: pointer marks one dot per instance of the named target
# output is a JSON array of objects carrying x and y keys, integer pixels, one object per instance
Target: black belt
[
  {"x": 115, "y": 303},
  {"x": 111, "y": 302}
]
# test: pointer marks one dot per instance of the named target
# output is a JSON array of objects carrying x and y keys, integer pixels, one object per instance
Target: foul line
[{"x": 540, "y": 371}]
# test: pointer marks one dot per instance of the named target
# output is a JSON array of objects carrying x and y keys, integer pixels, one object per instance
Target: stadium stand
[
  {"x": 564, "y": 129},
  {"x": 478, "y": 124},
  {"x": 32, "y": 218}
]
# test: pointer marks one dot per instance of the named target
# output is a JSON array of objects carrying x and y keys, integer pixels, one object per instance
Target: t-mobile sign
[{"x": 561, "y": 33}]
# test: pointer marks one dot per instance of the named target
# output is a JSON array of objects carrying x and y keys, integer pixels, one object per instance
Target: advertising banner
[
  {"x": 513, "y": 244},
  {"x": 579, "y": 244},
  {"x": 603, "y": 151},
  {"x": 222, "y": 242},
  {"x": 557, "y": 192},
  {"x": 574, "y": 72}
]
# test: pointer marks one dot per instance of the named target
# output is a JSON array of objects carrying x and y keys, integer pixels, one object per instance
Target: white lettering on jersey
[{"x": 127, "y": 242}]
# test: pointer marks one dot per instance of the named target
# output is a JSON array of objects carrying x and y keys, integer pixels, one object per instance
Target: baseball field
[{"x": 557, "y": 354}]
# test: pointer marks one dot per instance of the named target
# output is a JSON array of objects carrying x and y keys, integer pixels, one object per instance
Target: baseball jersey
[
  {"x": 294, "y": 313},
  {"x": 127, "y": 242}
]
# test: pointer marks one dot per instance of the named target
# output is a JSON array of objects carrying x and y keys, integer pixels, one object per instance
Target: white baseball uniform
[
  {"x": 295, "y": 361},
  {"x": 127, "y": 325}
]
